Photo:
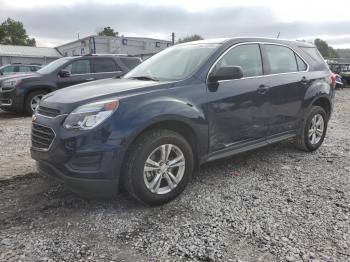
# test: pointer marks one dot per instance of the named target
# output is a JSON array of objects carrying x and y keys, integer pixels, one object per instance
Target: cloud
[{"x": 59, "y": 24}]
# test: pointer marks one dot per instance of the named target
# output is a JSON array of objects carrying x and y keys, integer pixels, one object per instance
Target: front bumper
[
  {"x": 88, "y": 163},
  {"x": 90, "y": 188},
  {"x": 10, "y": 100}
]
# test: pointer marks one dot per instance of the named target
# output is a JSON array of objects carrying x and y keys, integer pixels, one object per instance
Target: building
[
  {"x": 27, "y": 54},
  {"x": 142, "y": 47},
  {"x": 136, "y": 46}
]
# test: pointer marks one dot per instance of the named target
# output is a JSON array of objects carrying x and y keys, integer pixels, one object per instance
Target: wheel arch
[
  {"x": 179, "y": 126},
  {"x": 325, "y": 103}
]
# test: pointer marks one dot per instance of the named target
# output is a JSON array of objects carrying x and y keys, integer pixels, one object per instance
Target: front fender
[{"x": 138, "y": 114}]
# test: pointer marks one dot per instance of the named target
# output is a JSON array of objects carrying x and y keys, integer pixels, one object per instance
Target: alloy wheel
[
  {"x": 164, "y": 169},
  {"x": 34, "y": 103},
  {"x": 316, "y": 129}
]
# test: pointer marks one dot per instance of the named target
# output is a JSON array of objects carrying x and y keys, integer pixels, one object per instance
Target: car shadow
[
  {"x": 9, "y": 115},
  {"x": 31, "y": 196}
]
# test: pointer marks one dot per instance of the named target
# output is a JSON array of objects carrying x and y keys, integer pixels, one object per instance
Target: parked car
[
  {"x": 342, "y": 69},
  {"x": 338, "y": 82},
  {"x": 13, "y": 69},
  {"x": 187, "y": 105},
  {"x": 23, "y": 93}
]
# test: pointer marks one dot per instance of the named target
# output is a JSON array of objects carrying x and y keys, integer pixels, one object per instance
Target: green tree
[
  {"x": 13, "y": 33},
  {"x": 107, "y": 31},
  {"x": 325, "y": 50},
  {"x": 189, "y": 38}
]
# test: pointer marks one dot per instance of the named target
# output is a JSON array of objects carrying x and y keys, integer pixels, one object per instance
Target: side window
[
  {"x": 301, "y": 64},
  {"x": 79, "y": 67},
  {"x": 281, "y": 59},
  {"x": 103, "y": 65},
  {"x": 246, "y": 56},
  {"x": 10, "y": 69},
  {"x": 34, "y": 68},
  {"x": 24, "y": 69},
  {"x": 130, "y": 62}
]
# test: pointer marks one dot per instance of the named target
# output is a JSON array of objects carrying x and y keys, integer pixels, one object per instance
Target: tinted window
[
  {"x": 34, "y": 68},
  {"x": 10, "y": 69},
  {"x": 301, "y": 64},
  {"x": 104, "y": 65},
  {"x": 24, "y": 69},
  {"x": 281, "y": 59},
  {"x": 316, "y": 57},
  {"x": 130, "y": 62},
  {"x": 79, "y": 67},
  {"x": 248, "y": 57}
]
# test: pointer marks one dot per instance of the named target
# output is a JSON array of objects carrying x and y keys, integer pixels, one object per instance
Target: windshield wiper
[{"x": 145, "y": 78}]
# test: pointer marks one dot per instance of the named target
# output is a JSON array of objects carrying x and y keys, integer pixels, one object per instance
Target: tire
[
  {"x": 305, "y": 142},
  {"x": 28, "y": 102},
  {"x": 138, "y": 182}
]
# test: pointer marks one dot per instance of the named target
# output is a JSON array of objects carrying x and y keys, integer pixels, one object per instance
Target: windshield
[
  {"x": 174, "y": 63},
  {"x": 51, "y": 67}
]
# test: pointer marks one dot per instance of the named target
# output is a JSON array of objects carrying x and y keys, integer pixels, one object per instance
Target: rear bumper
[{"x": 90, "y": 188}]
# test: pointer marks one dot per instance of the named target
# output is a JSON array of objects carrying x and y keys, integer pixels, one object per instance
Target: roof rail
[{"x": 107, "y": 54}]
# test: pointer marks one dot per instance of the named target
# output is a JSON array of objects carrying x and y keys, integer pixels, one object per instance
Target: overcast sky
[{"x": 53, "y": 22}]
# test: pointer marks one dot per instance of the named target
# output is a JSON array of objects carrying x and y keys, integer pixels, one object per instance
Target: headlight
[
  {"x": 8, "y": 85},
  {"x": 88, "y": 116}
]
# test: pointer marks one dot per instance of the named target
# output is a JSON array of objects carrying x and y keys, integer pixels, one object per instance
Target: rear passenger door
[
  {"x": 105, "y": 68},
  {"x": 287, "y": 85}
]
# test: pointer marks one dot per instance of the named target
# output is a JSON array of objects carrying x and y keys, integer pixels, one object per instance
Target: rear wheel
[
  {"x": 159, "y": 165},
  {"x": 33, "y": 100},
  {"x": 313, "y": 131}
]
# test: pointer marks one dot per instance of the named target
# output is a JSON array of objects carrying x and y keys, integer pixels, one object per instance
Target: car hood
[
  {"x": 73, "y": 96},
  {"x": 19, "y": 76}
]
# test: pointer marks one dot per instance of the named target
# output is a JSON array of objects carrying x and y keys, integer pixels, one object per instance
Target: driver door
[
  {"x": 237, "y": 109},
  {"x": 80, "y": 72}
]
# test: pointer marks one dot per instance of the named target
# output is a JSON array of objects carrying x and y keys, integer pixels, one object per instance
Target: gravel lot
[{"x": 271, "y": 204}]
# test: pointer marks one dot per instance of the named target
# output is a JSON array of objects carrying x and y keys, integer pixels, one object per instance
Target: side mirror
[
  {"x": 64, "y": 73},
  {"x": 226, "y": 73}
]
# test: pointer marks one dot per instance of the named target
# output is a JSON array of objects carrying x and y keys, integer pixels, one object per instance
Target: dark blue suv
[{"x": 187, "y": 105}]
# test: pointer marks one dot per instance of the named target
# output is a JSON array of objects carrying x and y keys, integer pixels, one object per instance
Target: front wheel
[
  {"x": 33, "y": 100},
  {"x": 159, "y": 165},
  {"x": 313, "y": 131}
]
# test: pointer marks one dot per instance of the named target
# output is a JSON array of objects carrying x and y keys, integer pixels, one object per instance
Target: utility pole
[{"x": 173, "y": 38}]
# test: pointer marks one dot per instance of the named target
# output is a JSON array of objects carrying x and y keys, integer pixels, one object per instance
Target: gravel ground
[{"x": 272, "y": 204}]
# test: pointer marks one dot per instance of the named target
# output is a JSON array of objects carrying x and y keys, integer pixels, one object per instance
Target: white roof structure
[{"x": 28, "y": 51}]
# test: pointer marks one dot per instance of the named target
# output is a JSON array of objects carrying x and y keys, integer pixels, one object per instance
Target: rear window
[
  {"x": 281, "y": 59},
  {"x": 301, "y": 64},
  {"x": 104, "y": 65},
  {"x": 130, "y": 62},
  {"x": 24, "y": 69},
  {"x": 316, "y": 57}
]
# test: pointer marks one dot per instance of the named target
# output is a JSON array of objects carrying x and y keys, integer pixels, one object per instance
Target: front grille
[
  {"x": 42, "y": 136},
  {"x": 50, "y": 112}
]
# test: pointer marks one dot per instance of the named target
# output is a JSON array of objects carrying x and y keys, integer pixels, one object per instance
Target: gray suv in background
[{"x": 22, "y": 93}]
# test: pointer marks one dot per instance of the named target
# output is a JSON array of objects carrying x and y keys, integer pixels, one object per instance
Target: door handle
[
  {"x": 304, "y": 80},
  {"x": 90, "y": 79},
  {"x": 262, "y": 89}
]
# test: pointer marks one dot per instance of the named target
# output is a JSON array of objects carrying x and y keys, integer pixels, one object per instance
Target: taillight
[{"x": 332, "y": 80}]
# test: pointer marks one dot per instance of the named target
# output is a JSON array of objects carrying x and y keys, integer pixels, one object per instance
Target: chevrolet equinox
[{"x": 187, "y": 105}]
